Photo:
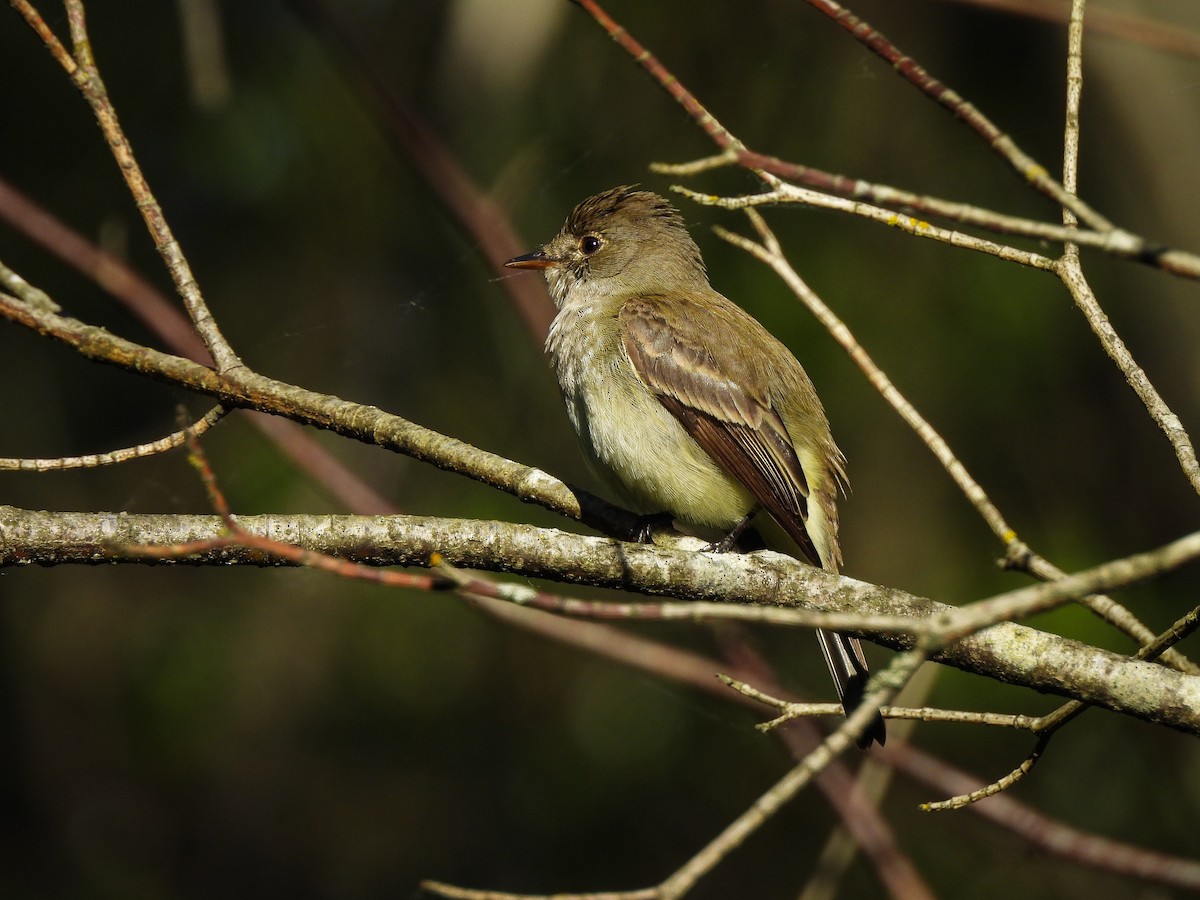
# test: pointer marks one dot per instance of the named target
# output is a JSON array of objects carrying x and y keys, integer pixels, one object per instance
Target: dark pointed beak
[{"x": 535, "y": 260}]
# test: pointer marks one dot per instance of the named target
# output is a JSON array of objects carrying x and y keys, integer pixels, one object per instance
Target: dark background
[{"x": 184, "y": 733}]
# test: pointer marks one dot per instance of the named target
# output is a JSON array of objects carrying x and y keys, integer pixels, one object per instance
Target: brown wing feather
[
  {"x": 741, "y": 452},
  {"x": 732, "y": 420}
]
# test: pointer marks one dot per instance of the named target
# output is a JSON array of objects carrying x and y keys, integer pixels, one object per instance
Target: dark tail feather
[{"x": 848, "y": 667}]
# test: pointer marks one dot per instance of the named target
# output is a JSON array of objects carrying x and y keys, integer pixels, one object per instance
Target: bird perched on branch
[{"x": 684, "y": 401}]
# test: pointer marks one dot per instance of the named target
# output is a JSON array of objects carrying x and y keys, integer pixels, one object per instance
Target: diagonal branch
[
  {"x": 1070, "y": 270},
  {"x": 771, "y": 253},
  {"x": 1112, "y": 240},
  {"x": 967, "y": 113},
  {"x": 82, "y": 70},
  {"x": 248, "y": 390}
]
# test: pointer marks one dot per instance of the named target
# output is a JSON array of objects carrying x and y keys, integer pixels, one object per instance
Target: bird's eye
[{"x": 589, "y": 244}]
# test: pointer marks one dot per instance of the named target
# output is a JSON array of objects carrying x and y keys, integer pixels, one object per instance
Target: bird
[{"x": 682, "y": 401}]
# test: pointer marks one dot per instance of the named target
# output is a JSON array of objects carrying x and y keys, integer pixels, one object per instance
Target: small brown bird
[{"x": 683, "y": 400}]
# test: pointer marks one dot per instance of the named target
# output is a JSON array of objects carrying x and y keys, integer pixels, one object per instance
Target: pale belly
[{"x": 632, "y": 441}]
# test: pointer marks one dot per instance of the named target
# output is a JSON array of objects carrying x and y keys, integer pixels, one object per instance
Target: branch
[
  {"x": 81, "y": 68},
  {"x": 248, "y": 390},
  {"x": 967, "y": 113},
  {"x": 170, "y": 442},
  {"x": 1112, "y": 240},
  {"x": 1018, "y": 555},
  {"x": 785, "y": 193},
  {"x": 1007, "y": 652}
]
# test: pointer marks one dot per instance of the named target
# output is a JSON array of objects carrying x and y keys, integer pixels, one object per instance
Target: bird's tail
[{"x": 848, "y": 667}]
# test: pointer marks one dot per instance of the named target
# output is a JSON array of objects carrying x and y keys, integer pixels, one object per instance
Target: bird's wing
[{"x": 721, "y": 401}]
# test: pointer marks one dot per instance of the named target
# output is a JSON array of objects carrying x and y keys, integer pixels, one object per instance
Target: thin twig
[
  {"x": 1070, "y": 270},
  {"x": 782, "y": 192},
  {"x": 791, "y": 709},
  {"x": 967, "y": 113},
  {"x": 86, "y": 77},
  {"x": 996, "y": 787},
  {"x": 1112, "y": 240},
  {"x": 1116, "y": 242},
  {"x": 770, "y": 252},
  {"x": 1046, "y": 726},
  {"x": 170, "y": 442}
]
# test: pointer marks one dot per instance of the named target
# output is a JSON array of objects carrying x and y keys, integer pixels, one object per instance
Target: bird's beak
[{"x": 535, "y": 260}]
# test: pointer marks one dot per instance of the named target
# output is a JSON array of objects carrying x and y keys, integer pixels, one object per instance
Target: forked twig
[
  {"x": 1046, "y": 726},
  {"x": 80, "y": 66},
  {"x": 1112, "y": 240}
]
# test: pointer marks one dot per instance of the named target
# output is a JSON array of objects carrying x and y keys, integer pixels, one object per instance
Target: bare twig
[
  {"x": 770, "y": 252},
  {"x": 1113, "y": 240},
  {"x": 170, "y": 442},
  {"x": 782, "y": 192},
  {"x": 792, "y": 710},
  {"x": 1070, "y": 270},
  {"x": 1116, "y": 242},
  {"x": 995, "y": 787},
  {"x": 1046, "y": 726},
  {"x": 967, "y": 113},
  {"x": 81, "y": 68}
]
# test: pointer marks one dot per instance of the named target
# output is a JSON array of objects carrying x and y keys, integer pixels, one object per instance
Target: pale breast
[{"x": 629, "y": 437}]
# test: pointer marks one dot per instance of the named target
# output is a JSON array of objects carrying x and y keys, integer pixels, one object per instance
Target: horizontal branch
[
  {"x": 782, "y": 193},
  {"x": 1007, "y": 652}
]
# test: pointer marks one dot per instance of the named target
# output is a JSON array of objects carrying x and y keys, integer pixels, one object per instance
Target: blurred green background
[{"x": 183, "y": 733}]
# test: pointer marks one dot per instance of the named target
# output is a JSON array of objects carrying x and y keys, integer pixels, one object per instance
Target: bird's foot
[{"x": 725, "y": 544}]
